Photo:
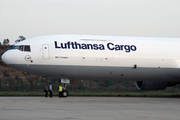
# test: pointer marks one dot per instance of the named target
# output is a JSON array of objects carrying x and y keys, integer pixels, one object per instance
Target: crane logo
[{"x": 27, "y": 58}]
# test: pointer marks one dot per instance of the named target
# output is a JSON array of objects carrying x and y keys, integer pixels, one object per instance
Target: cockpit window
[
  {"x": 27, "y": 48},
  {"x": 22, "y": 48}
]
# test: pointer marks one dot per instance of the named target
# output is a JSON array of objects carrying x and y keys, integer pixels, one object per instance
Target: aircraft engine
[{"x": 154, "y": 85}]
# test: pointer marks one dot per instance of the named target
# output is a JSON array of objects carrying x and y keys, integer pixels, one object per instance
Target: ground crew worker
[
  {"x": 60, "y": 90},
  {"x": 50, "y": 90},
  {"x": 46, "y": 90}
]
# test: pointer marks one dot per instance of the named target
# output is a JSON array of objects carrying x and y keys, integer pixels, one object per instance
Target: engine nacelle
[{"x": 153, "y": 85}]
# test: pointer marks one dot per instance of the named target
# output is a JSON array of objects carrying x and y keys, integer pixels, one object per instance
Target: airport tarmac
[{"x": 89, "y": 108}]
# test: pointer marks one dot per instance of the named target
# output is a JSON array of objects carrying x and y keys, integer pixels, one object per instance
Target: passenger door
[{"x": 45, "y": 52}]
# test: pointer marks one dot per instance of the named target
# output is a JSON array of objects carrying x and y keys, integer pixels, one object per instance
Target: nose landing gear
[{"x": 64, "y": 92}]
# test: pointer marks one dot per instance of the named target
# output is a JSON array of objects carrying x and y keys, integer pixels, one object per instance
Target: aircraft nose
[{"x": 6, "y": 57}]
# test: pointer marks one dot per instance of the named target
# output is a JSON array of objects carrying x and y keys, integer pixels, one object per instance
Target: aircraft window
[
  {"x": 27, "y": 48},
  {"x": 15, "y": 47},
  {"x": 20, "y": 48}
]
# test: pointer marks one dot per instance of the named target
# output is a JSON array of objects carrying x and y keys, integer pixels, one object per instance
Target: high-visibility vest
[{"x": 60, "y": 89}]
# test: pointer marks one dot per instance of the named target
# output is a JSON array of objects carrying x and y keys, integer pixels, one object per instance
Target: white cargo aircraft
[{"x": 154, "y": 63}]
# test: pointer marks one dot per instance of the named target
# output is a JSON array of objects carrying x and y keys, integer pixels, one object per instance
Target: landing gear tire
[{"x": 64, "y": 93}]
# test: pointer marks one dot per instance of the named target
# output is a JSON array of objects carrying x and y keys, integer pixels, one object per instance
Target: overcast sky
[{"x": 142, "y": 18}]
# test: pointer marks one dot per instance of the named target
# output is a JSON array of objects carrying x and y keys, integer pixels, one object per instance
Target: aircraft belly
[
  {"x": 103, "y": 72},
  {"x": 120, "y": 73}
]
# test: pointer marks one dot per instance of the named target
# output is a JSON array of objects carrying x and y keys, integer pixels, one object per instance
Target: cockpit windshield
[
  {"x": 15, "y": 47},
  {"x": 22, "y": 48}
]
